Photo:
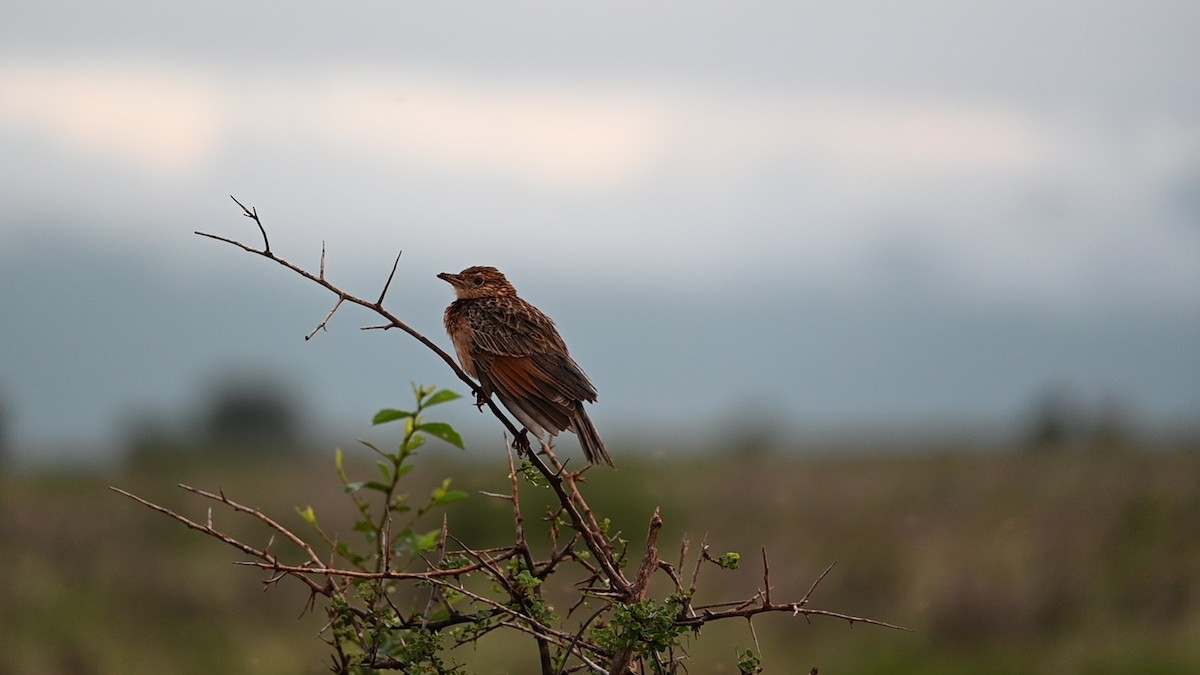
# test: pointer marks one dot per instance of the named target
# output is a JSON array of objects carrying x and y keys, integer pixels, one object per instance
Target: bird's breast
[{"x": 462, "y": 335}]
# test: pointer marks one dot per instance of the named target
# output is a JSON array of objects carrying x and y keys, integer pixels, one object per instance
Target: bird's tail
[{"x": 589, "y": 438}]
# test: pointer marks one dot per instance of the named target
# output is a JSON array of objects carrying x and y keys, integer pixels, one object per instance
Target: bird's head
[{"x": 479, "y": 282}]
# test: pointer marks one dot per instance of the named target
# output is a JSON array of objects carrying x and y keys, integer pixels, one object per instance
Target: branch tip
[{"x": 391, "y": 275}]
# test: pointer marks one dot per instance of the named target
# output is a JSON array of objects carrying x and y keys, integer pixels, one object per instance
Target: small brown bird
[{"x": 515, "y": 351}]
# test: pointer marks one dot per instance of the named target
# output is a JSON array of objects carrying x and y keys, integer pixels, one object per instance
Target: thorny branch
[
  {"x": 563, "y": 482},
  {"x": 448, "y": 576},
  {"x": 376, "y": 306},
  {"x": 301, "y": 572}
]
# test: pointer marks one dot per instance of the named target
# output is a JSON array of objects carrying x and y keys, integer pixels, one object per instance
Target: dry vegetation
[{"x": 1068, "y": 563}]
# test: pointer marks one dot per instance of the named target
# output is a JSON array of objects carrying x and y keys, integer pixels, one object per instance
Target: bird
[{"x": 515, "y": 352}]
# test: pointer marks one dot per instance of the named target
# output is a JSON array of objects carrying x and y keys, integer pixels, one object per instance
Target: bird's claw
[
  {"x": 521, "y": 442},
  {"x": 481, "y": 399}
]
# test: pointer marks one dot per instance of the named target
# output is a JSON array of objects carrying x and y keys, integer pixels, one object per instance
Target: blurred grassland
[{"x": 1056, "y": 563}]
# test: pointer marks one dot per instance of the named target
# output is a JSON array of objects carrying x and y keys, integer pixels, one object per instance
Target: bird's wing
[
  {"x": 557, "y": 379},
  {"x": 527, "y": 392},
  {"x": 505, "y": 332},
  {"x": 526, "y": 358}
]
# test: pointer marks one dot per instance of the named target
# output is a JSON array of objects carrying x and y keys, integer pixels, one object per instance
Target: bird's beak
[{"x": 446, "y": 276}]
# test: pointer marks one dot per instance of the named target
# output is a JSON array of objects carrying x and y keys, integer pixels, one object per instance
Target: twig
[
  {"x": 767, "y": 577},
  {"x": 253, "y": 215},
  {"x": 388, "y": 283},
  {"x": 328, "y": 589},
  {"x": 804, "y": 600},
  {"x": 483, "y": 564},
  {"x": 325, "y": 322},
  {"x": 291, "y": 536},
  {"x": 649, "y": 559},
  {"x": 794, "y": 607},
  {"x": 377, "y": 307}
]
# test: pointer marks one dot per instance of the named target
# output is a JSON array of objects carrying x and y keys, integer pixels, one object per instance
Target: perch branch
[{"x": 377, "y": 307}]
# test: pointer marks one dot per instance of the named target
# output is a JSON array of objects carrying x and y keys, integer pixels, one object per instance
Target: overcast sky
[{"x": 859, "y": 211}]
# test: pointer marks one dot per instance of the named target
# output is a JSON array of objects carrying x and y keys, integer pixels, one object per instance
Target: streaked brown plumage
[{"x": 516, "y": 352}]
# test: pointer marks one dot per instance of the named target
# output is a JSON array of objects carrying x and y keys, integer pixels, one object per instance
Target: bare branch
[
  {"x": 291, "y": 536},
  {"x": 754, "y": 634},
  {"x": 389, "y": 279},
  {"x": 325, "y": 322},
  {"x": 804, "y": 600},
  {"x": 699, "y": 561},
  {"x": 485, "y": 563},
  {"x": 795, "y": 608},
  {"x": 377, "y": 307},
  {"x": 253, "y": 215},
  {"x": 649, "y": 559},
  {"x": 212, "y": 532},
  {"x": 767, "y": 578}
]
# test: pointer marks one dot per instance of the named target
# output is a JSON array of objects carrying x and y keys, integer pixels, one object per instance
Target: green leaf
[
  {"x": 351, "y": 488},
  {"x": 345, "y": 551},
  {"x": 443, "y": 396},
  {"x": 385, "y": 468},
  {"x": 412, "y": 444},
  {"x": 377, "y": 486},
  {"x": 749, "y": 663},
  {"x": 337, "y": 461},
  {"x": 527, "y": 580},
  {"x": 428, "y": 541},
  {"x": 390, "y": 415},
  {"x": 729, "y": 561},
  {"x": 308, "y": 515},
  {"x": 531, "y": 474},
  {"x": 374, "y": 449},
  {"x": 443, "y": 431},
  {"x": 443, "y": 497},
  {"x": 420, "y": 391}
]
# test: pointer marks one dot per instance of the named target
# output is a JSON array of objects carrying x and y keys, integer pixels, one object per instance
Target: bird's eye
[{"x": 478, "y": 281}]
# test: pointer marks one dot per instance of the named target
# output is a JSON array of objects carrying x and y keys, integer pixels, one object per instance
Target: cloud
[
  {"x": 148, "y": 116},
  {"x": 560, "y": 136},
  {"x": 874, "y": 135},
  {"x": 992, "y": 198},
  {"x": 176, "y": 119}
]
